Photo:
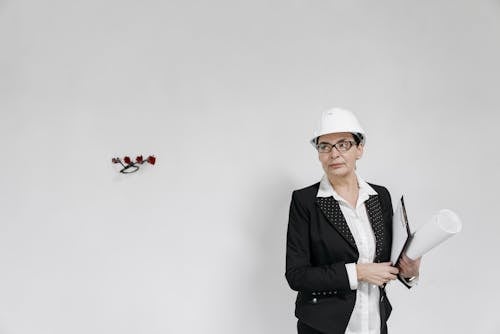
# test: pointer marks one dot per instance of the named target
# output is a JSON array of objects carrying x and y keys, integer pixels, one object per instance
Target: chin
[{"x": 339, "y": 172}]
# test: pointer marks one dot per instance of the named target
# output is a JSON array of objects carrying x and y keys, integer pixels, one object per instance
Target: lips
[{"x": 335, "y": 165}]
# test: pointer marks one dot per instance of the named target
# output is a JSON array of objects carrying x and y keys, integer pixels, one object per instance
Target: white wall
[{"x": 226, "y": 94}]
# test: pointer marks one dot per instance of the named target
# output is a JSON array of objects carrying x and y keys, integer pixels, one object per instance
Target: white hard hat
[{"x": 338, "y": 120}]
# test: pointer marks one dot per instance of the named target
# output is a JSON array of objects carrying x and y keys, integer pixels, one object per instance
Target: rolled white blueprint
[{"x": 440, "y": 227}]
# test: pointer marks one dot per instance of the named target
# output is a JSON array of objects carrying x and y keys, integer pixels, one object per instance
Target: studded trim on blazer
[
  {"x": 331, "y": 209},
  {"x": 374, "y": 210}
]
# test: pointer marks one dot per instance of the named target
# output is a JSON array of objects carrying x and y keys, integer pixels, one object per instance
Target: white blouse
[{"x": 365, "y": 318}]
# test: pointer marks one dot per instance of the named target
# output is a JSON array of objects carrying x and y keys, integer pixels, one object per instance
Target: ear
[{"x": 359, "y": 151}]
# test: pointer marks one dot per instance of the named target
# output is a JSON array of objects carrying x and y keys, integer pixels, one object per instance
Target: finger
[
  {"x": 388, "y": 267},
  {"x": 389, "y": 276},
  {"x": 410, "y": 259},
  {"x": 403, "y": 270},
  {"x": 387, "y": 280},
  {"x": 394, "y": 270},
  {"x": 407, "y": 258},
  {"x": 392, "y": 277}
]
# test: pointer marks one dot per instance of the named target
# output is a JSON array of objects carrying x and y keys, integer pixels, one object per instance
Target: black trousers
[{"x": 302, "y": 328}]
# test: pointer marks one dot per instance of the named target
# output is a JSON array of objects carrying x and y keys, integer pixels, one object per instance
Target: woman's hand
[
  {"x": 376, "y": 273},
  {"x": 408, "y": 267}
]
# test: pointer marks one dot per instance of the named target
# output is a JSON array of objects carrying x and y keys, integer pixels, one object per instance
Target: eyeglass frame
[{"x": 351, "y": 144}]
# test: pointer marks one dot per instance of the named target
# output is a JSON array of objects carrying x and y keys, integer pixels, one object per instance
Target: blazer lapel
[
  {"x": 376, "y": 218},
  {"x": 331, "y": 209}
]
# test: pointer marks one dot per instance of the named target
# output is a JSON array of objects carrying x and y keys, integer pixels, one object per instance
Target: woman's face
[{"x": 339, "y": 164}]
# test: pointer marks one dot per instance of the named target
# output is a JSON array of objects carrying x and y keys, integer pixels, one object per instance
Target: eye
[
  {"x": 343, "y": 145},
  {"x": 323, "y": 147}
]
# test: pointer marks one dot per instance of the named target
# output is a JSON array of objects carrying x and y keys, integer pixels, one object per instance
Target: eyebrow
[{"x": 338, "y": 141}]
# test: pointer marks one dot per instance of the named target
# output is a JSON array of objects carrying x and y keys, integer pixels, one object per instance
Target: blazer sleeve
[{"x": 300, "y": 274}]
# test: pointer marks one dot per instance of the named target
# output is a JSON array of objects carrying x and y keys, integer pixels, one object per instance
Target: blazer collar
[
  {"x": 326, "y": 190},
  {"x": 330, "y": 207}
]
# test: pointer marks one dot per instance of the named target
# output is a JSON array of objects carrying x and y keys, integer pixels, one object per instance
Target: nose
[{"x": 334, "y": 153}]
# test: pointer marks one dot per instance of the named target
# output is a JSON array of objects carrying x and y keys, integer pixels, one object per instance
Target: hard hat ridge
[{"x": 338, "y": 120}]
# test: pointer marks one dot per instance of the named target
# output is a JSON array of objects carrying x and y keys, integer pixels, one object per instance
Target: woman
[{"x": 339, "y": 239}]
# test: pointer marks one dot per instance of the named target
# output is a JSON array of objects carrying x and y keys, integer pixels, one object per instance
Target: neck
[
  {"x": 347, "y": 187},
  {"x": 349, "y": 182}
]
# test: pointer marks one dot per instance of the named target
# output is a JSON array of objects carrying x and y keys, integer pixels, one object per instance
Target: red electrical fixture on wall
[{"x": 130, "y": 166}]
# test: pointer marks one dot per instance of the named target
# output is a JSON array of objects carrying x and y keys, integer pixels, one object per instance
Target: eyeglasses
[{"x": 342, "y": 146}]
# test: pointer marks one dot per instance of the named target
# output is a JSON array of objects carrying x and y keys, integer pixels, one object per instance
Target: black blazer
[{"x": 319, "y": 244}]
